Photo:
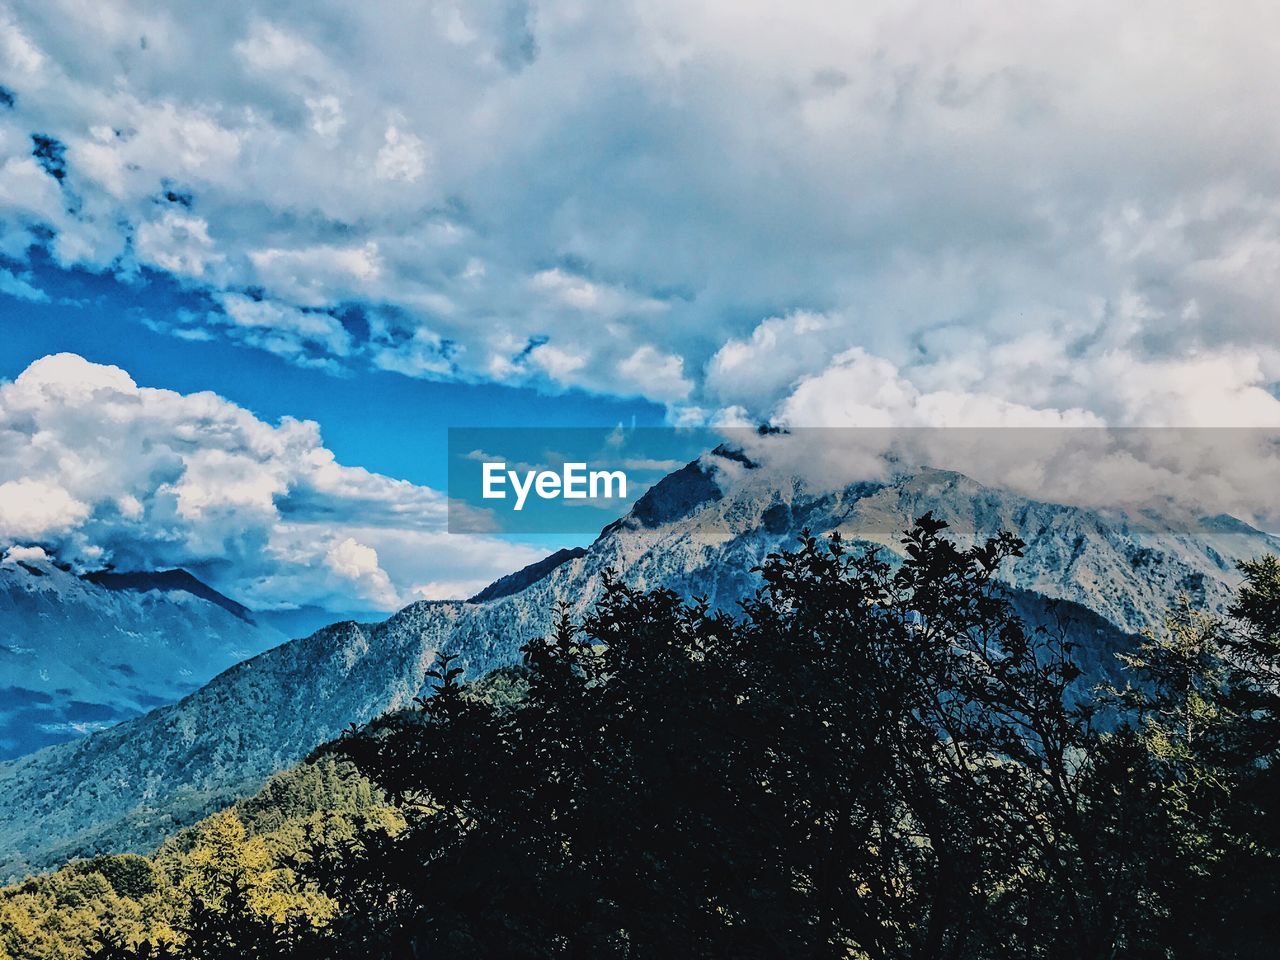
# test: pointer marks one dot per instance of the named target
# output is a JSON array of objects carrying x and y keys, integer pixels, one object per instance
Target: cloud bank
[
  {"x": 100, "y": 471},
  {"x": 977, "y": 211}
]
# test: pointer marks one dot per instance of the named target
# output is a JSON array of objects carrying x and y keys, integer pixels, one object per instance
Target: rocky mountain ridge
[{"x": 697, "y": 532}]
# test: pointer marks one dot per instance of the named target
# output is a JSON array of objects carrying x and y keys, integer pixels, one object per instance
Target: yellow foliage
[{"x": 64, "y": 915}]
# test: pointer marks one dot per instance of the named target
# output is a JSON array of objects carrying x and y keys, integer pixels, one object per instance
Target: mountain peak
[
  {"x": 167, "y": 581},
  {"x": 680, "y": 493},
  {"x": 701, "y": 531}
]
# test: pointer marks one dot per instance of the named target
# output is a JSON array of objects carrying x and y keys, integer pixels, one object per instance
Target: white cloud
[
  {"x": 859, "y": 390},
  {"x": 1224, "y": 388},
  {"x": 403, "y": 156},
  {"x": 31, "y": 508},
  {"x": 319, "y": 275},
  {"x": 327, "y": 116},
  {"x": 17, "y": 554},
  {"x": 19, "y": 52},
  {"x": 543, "y": 198},
  {"x": 358, "y": 564},
  {"x": 560, "y": 365},
  {"x": 28, "y": 198},
  {"x": 1162, "y": 478},
  {"x": 176, "y": 243},
  {"x": 653, "y": 373},
  {"x": 590, "y": 297},
  {"x": 102, "y": 471},
  {"x": 19, "y": 286},
  {"x": 779, "y": 351},
  {"x": 269, "y": 49},
  {"x": 288, "y": 329},
  {"x": 423, "y": 354},
  {"x": 145, "y": 137}
]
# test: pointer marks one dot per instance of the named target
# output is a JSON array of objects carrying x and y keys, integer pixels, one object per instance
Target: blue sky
[
  {"x": 384, "y": 421},
  {"x": 388, "y": 218}
]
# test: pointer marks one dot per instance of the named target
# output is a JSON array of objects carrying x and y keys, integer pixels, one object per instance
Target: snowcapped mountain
[
  {"x": 80, "y": 653},
  {"x": 128, "y": 786}
]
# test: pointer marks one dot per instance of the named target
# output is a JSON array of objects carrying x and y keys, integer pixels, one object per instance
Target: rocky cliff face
[{"x": 126, "y": 787}]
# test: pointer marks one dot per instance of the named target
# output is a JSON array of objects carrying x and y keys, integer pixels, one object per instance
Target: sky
[{"x": 385, "y": 219}]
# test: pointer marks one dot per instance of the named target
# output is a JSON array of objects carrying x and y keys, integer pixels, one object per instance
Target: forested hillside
[
  {"x": 697, "y": 532},
  {"x": 242, "y": 855},
  {"x": 870, "y": 759}
]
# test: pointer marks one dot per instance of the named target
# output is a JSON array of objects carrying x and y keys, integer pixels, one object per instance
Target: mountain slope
[
  {"x": 81, "y": 653},
  {"x": 127, "y": 787}
]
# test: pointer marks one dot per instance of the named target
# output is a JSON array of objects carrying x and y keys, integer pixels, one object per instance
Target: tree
[
  {"x": 873, "y": 759},
  {"x": 240, "y": 902},
  {"x": 1203, "y": 709}
]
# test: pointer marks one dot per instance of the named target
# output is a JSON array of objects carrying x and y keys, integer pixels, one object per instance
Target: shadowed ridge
[
  {"x": 167, "y": 581},
  {"x": 678, "y": 494},
  {"x": 515, "y": 582}
]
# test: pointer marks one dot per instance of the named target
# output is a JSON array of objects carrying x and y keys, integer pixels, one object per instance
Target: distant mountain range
[
  {"x": 129, "y": 786},
  {"x": 78, "y": 653}
]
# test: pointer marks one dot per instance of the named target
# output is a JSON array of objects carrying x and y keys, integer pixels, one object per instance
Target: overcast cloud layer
[
  {"x": 99, "y": 471},
  {"x": 818, "y": 212}
]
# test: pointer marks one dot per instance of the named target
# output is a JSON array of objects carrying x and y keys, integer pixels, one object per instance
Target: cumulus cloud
[
  {"x": 19, "y": 554},
  {"x": 859, "y": 390},
  {"x": 32, "y": 508},
  {"x": 317, "y": 275},
  {"x": 1171, "y": 480},
  {"x": 701, "y": 203},
  {"x": 779, "y": 352},
  {"x": 178, "y": 244},
  {"x": 357, "y": 563},
  {"x": 651, "y": 372},
  {"x": 100, "y": 471},
  {"x": 601, "y": 300}
]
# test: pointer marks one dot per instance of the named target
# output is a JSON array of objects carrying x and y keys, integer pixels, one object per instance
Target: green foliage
[
  {"x": 1204, "y": 714},
  {"x": 1180, "y": 701}
]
